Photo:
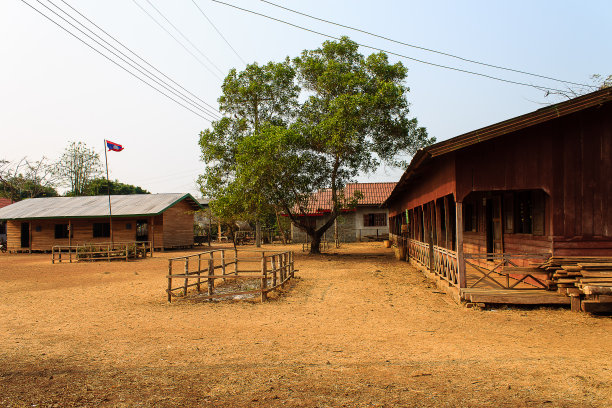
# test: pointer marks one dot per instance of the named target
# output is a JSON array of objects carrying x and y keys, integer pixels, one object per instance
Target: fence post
[
  {"x": 223, "y": 263},
  {"x": 273, "y": 271},
  {"x": 264, "y": 277},
  {"x": 236, "y": 262},
  {"x": 291, "y": 264},
  {"x": 127, "y": 253},
  {"x": 169, "y": 280},
  {"x": 186, "y": 279},
  {"x": 211, "y": 271},
  {"x": 199, "y": 272}
]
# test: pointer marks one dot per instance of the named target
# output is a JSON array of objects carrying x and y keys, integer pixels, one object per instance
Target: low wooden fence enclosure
[
  {"x": 229, "y": 273},
  {"x": 101, "y": 251}
]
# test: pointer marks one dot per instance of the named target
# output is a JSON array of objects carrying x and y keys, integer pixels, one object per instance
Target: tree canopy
[
  {"x": 99, "y": 186},
  {"x": 77, "y": 166},
  {"x": 311, "y": 123}
]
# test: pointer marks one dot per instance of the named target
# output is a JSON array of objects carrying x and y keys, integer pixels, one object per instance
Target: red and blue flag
[{"x": 116, "y": 147}]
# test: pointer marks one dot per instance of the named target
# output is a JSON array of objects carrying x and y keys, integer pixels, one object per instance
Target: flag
[{"x": 113, "y": 146}]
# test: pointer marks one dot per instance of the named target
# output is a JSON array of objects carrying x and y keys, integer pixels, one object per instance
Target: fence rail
[
  {"x": 446, "y": 265},
  {"x": 270, "y": 270},
  {"x": 507, "y": 271},
  {"x": 101, "y": 251},
  {"x": 419, "y": 251}
]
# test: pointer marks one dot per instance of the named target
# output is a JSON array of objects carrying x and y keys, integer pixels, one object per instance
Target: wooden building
[
  {"x": 363, "y": 221},
  {"x": 37, "y": 224},
  {"x": 540, "y": 183},
  {"x": 3, "y": 203}
]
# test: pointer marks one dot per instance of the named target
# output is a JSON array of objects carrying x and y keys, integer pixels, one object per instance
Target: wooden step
[{"x": 516, "y": 297}]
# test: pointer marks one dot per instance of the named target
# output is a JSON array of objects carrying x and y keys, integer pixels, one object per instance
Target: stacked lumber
[{"x": 588, "y": 280}]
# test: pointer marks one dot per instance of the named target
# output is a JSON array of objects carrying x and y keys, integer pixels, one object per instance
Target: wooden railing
[
  {"x": 101, "y": 251},
  {"x": 445, "y": 265},
  {"x": 266, "y": 270},
  {"x": 419, "y": 251},
  {"x": 503, "y": 270}
]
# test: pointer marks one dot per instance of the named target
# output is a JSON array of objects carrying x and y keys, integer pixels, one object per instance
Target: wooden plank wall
[{"x": 178, "y": 226}]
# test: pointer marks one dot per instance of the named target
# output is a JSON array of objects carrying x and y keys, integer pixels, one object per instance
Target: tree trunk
[{"x": 315, "y": 243}]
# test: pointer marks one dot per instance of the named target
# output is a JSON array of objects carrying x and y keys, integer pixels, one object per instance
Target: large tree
[
  {"x": 77, "y": 167},
  {"x": 353, "y": 115}
]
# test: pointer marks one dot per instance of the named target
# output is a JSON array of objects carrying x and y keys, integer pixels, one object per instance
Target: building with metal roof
[{"x": 36, "y": 224}]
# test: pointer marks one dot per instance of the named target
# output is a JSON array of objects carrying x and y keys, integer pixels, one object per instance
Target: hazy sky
[{"x": 54, "y": 89}]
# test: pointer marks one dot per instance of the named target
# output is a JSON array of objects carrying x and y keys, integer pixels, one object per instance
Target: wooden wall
[{"x": 178, "y": 225}]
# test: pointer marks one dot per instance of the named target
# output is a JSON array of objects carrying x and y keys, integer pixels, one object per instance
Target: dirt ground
[{"x": 356, "y": 328}]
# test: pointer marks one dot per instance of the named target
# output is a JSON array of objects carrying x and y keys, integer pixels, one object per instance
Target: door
[
  {"x": 142, "y": 230},
  {"x": 25, "y": 235},
  {"x": 494, "y": 225}
]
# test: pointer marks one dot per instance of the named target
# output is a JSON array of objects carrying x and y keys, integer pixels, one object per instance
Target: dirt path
[{"x": 356, "y": 329}]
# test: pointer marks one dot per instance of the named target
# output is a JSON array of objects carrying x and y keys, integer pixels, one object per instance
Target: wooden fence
[
  {"x": 269, "y": 270},
  {"x": 507, "y": 271},
  {"x": 103, "y": 251}
]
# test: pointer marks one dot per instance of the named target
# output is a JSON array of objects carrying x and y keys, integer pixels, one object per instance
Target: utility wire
[
  {"x": 177, "y": 40},
  {"x": 393, "y": 53},
  {"x": 146, "y": 74},
  {"x": 140, "y": 58},
  {"x": 423, "y": 48},
  {"x": 209, "y": 109},
  {"x": 184, "y": 36},
  {"x": 219, "y": 32},
  {"x": 110, "y": 59}
]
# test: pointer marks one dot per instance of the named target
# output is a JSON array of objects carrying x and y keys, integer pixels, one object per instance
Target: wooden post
[
  {"x": 258, "y": 234},
  {"x": 52, "y": 254},
  {"x": 264, "y": 277},
  {"x": 430, "y": 237},
  {"x": 291, "y": 266},
  {"x": 169, "y": 280},
  {"x": 236, "y": 262},
  {"x": 199, "y": 272},
  {"x": 460, "y": 259},
  {"x": 186, "y": 279},
  {"x": 219, "y": 231},
  {"x": 127, "y": 253},
  {"x": 273, "y": 270},
  {"x": 223, "y": 264},
  {"x": 211, "y": 271},
  {"x": 152, "y": 241}
]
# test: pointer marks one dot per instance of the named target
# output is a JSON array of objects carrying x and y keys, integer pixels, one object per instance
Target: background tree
[
  {"x": 27, "y": 179},
  {"x": 599, "y": 82},
  {"x": 77, "y": 166},
  {"x": 354, "y": 115},
  {"x": 100, "y": 186}
]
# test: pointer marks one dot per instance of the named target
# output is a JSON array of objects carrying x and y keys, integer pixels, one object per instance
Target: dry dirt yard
[{"x": 356, "y": 328}]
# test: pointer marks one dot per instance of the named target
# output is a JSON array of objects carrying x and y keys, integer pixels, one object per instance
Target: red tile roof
[
  {"x": 373, "y": 194},
  {"x": 5, "y": 201}
]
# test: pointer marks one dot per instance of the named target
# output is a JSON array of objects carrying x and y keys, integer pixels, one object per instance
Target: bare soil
[{"x": 356, "y": 328}]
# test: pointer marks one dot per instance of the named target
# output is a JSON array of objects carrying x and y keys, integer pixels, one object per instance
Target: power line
[
  {"x": 210, "y": 110},
  {"x": 219, "y": 32},
  {"x": 177, "y": 40},
  {"x": 185, "y": 37},
  {"x": 140, "y": 58},
  {"x": 110, "y": 59},
  {"x": 423, "y": 48},
  {"x": 154, "y": 78},
  {"x": 393, "y": 53}
]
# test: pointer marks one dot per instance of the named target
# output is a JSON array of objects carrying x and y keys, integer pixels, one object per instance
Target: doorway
[
  {"x": 25, "y": 235},
  {"x": 142, "y": 230},
  {"x": 494, "y": 225}
]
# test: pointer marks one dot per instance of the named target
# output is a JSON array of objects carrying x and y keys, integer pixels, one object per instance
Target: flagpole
[{"x": 110, "y": 208}]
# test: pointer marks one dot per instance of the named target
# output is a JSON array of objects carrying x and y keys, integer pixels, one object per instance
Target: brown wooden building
[
  {"x": 37, "y": 224},
  {"x": 539, "y": 183}
]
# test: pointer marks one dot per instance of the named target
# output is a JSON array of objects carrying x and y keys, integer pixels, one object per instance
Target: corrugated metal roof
[
  {"x": 93, "y": 206},
  {"x": 373, "y": 194}
]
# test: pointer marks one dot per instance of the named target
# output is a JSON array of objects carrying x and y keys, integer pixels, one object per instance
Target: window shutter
[{"x": 538, "y": 213}]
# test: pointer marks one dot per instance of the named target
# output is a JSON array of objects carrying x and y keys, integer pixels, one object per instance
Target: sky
[{"x": 54, "y": 89}]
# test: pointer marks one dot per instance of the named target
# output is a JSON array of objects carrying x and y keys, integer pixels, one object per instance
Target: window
[
  {"x": 523, "y": 212},
  {"x": 375, "y": 220},
  {"x": 101, "y": 230},
  {"x": 61, "y": 231},
  {"x": 128, "y": 226},
  {"x": 2, "y": 228},
  {"x": 470, "y": 217}
]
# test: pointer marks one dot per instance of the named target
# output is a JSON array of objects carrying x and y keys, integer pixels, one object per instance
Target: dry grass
[{"x": 356, "y": 329}]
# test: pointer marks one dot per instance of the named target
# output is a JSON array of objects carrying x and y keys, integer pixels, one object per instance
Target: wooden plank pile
[{"x": 587, "y": 280}]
